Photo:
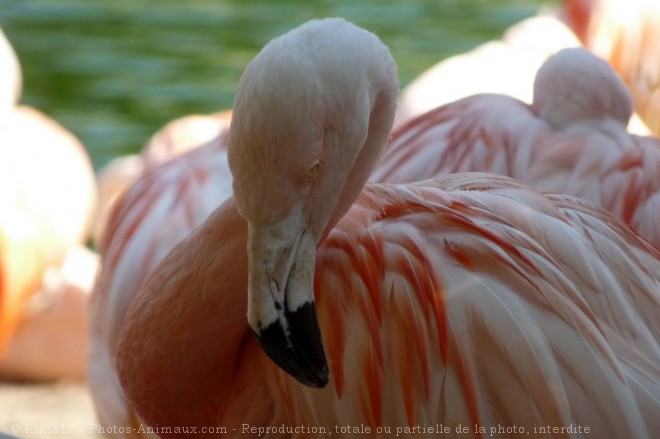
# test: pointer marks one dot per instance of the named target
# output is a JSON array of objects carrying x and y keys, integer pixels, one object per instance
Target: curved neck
[{"x": 184, "y": 334}]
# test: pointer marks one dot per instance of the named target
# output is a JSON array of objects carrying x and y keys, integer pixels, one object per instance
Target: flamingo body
[
  {"x": 149, "y": 202},
  {"x": 51, "y": 341},
  {"x": 47, "y": 196}
]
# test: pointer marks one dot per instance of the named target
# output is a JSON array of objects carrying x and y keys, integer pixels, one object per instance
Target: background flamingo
[
  {"x": 47, "y": 196},
  {"x": 572, "y": 139},
  {"x": 627, "y": 34},
  {"x": 51, "y": 340},
  {"x": 463, "y": 299}
]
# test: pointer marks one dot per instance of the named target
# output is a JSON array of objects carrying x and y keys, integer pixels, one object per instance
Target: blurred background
[{"x": 113, "y": 72}]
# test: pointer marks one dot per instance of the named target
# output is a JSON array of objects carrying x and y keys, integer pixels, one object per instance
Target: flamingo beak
[{"x": 281, "y": 308}]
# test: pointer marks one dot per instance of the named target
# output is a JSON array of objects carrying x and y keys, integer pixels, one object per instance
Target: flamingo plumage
[
  {"x": 460, "y": 300},
  {"x": 186, "y": 133},
  {"x": 627, "y": 34}
]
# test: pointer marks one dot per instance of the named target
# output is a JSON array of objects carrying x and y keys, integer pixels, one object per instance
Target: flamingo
[
  {"x": 571, "y": 139},
  {"x": 47, "y": 196},
  {"x": 51, "y": 340},
  {"x": 467, "y": 299},
  {"x": 186, "y": 133},
  {"x": 627, "y": 34}
]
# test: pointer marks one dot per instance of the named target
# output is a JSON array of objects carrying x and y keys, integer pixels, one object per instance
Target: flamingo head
[
  {"x": 574, "y": 85},
  {"x": 311, "y": 114}
]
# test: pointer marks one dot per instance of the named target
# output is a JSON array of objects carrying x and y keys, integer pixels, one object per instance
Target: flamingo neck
[{"x": 184, "y": 333}]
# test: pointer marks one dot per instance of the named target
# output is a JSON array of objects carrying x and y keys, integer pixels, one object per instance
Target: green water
[{"x": 114, "y": 71}]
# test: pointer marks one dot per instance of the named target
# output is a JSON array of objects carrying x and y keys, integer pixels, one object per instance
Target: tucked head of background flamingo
[{"x": 564, "y": 91}]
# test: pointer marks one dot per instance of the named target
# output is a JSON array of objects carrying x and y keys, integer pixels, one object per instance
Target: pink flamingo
[
  {"x": 627, "y": 34},
  {"x": 461, "y": 300}
]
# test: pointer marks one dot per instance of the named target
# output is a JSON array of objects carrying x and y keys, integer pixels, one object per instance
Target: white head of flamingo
[{"x": 312, "y": 112}]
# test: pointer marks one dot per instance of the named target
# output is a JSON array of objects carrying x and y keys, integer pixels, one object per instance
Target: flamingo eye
[{"x": 313, "y": 170}]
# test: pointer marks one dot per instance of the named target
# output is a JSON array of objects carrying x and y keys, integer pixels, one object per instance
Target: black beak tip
[{"x": 300, "y": 354}]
